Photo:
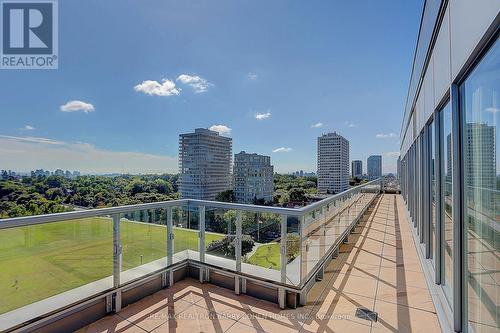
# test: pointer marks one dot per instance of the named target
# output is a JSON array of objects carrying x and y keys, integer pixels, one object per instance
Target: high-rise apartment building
[
  {"x": 333, "y": 163},
  {"x": 253, "y": 178},
  {"x": 374, "y": 166},
  {"x": 357, "y": 169},
  {"x": 204, "y": 164}
]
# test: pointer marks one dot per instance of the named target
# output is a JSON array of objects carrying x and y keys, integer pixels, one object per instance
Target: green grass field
[
  {"x": 267, "y": 256},
  {"x": 40, "y": 261}
]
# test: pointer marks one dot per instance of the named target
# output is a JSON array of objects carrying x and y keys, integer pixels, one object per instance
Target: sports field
[{"x": 41, "y": 261}]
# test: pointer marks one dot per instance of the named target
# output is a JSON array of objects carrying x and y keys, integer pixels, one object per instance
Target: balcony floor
[{"x": 377, "y": 269}]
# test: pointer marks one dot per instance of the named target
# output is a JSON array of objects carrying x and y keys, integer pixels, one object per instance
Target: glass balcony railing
[{"x": 51, "y": 261}]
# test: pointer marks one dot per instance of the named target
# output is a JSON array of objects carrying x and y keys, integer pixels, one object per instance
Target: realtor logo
[{"x": 29, "y": 34}]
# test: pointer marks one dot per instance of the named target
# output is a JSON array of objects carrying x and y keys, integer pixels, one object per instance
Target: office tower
[
  {"x": 333, "y": 163},
  {"x": 482, "y": 174},
  {"x": 374, "y": 166},
  {"x": 480, "y": 163},
  {"x": 253, "y": 178},
  {"x": 204, "y": 163},
  {"x": 357, "y": 169}
]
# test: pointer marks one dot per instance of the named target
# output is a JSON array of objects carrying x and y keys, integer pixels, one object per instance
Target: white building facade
[
  {"x": 204, "y": 164},
  {"x": 253, "y": 178},
  {"x": 450, "y": 178},
  {"x": 333, "y": 163}
]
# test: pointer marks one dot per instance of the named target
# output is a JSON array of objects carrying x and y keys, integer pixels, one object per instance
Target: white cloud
[
  {"x": 29, "y": 127},
  {"x": 394, "y": 154},
  {"x": 29, "y": 153},
  {"x": 493, "y": 110},
  {"x": 31, "y": 139},
  {"x": 282, "y": 150},
  {"x": 73, "y": 106},
  {"x": 349, "y": 124},
  {"x": 252, "y": 76},
  {"x": 165, "y": 88},
  {"x": 317, "y": 125},
  {"x": 386, "y": 135},
  {"x": 198, "y": 83},
  {"x": 222, "y": 129},
  {"x": 262, "y": 116}
]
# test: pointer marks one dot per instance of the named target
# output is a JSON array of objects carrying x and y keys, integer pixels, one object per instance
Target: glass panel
[
  {"x": 417, "y": 185},
  {"x": 220, "y": 237},
  {"x": 186, "y": 233},
  {"x": 293, "y": 250},
  {"x": 310, "y": 241},
  {"x": 44, "y": 260},
  {"x": 447, "y": 162},
  {"x": 421, "y": 161},
  {"x": 432, "y": 154},
  {"x": 143, "y": 236},
  {"x": 481, "y": 103},
  {"x": 264, "y": 259}
]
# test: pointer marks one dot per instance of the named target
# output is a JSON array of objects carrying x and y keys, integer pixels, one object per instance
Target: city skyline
[
  {"x": 56, "y": 164},
  {"x": 272, "y": 88}
]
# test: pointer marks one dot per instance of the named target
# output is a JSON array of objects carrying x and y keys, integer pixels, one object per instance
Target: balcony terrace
[{"x": 320, "y": 269}]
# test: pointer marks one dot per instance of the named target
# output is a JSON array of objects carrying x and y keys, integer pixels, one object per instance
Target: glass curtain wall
[
  {"x": 480, "y": 105},
  {"x": 432, "y": 164},
  {"x": 447, "y": 196}
]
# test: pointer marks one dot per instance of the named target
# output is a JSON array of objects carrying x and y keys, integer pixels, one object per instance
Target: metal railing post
[
  {"x": 283, "y": 242},
  {"x": 303, "y": 261},
  {"x": 283, "y": 247},
  {"x": 170, "y": 245},
  {"x": 117, "y": 261},
  {"x": 201, "y": 224},
  {"x": 238, "y": 252}
]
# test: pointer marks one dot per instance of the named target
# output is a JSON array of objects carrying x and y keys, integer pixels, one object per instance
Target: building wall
[
  {"x": 333, "y": 163},
  {"x": 374, "y": 167},
  {"x": 463, "y": 24},
  {"x": 253, "y": 178},
  {"x": 449, "y": 158},
  {"x": 205, "y": 164},
  {"x": 357, "y": 169}
]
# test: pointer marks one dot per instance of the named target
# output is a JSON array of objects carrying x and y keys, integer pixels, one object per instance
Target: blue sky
[{"x": 342, "y": 64}]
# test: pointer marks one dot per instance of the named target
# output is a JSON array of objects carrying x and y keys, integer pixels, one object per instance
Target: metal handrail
[
  {"x": 335, "y": 197},
  {"x": 58, "y": 217},
  {"x": 304, "y": 273}
]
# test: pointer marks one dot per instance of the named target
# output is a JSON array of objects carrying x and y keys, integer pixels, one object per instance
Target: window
[
  {"x": 447, "y": 218},
  {"x": 480, "y": 101},
  {"x": 432, "y": 176}
]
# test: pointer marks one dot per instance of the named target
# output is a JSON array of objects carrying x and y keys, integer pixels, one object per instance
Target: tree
[
  {"x": 19, "y": 197},
  {"x": 227, "y": 245},
  {"x": 292, "y": 246},
  {"x": 297, "y": 195},
  {"x": 54, "y": 181},
  {"x": 137, "y": 186},
  {"x": 226, "y": 196},
  {"x": 162, "y": 186},
  {"x": 54, "y": 193}
]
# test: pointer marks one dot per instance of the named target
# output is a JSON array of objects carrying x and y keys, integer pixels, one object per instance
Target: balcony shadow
[{"x": 323, "y": 320}]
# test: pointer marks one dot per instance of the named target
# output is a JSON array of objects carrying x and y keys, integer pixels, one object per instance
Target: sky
[{"x": 273, "y": 75}]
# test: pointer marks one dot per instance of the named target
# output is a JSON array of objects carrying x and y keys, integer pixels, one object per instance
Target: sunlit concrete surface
[{"x": 378, "y": 269}]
